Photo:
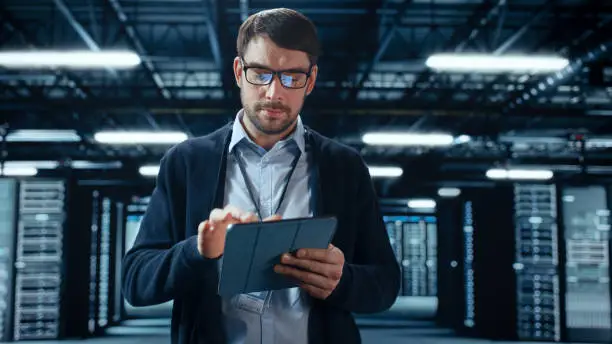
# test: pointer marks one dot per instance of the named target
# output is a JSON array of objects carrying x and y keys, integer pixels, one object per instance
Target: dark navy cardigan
[{"x": 164, "y": 263}]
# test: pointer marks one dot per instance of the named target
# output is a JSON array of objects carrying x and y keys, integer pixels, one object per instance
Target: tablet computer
[{"x": 252, "y": 250}]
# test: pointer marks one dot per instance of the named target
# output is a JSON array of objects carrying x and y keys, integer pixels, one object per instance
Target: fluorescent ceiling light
[
  {"x": 31, "y": 164},
  {"x": 18, "y": 171},
  {"x": 462, "y": 139},
  {"x": 149, "y": 170},
  {"x": 90, "y": 165},
  {"x": 140, "y": 137},
  {"x": 76, "y": 59},
  {"x": 385, "y": 171},
  {"x": 422, "y": 204},
  {"x": 35, "y": 135},
  {"x": 449, "y": 192},
  {"x": 599, "y": 142},
  {"x": 519, "y": 174},
  {"x": 491, "y": 63},
  {"x": 407, "y": 139}
]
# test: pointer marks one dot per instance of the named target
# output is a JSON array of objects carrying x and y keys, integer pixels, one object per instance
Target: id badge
[{"x": 255, "y": 302}]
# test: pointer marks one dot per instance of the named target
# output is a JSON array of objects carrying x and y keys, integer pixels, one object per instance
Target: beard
[{"x": 270, "y": 126}]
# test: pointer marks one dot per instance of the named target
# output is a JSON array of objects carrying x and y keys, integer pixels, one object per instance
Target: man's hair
[{"x": 287, "y": 28}]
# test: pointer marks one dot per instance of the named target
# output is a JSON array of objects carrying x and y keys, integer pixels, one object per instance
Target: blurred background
[{"x": 485, "y": 124}]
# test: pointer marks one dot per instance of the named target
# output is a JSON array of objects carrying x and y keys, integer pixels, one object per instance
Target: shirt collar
[{"x": 239, "y": 134}]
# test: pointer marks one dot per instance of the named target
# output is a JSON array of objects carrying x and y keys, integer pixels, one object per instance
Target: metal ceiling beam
[
  {"x": 11, "y": 24},
  {"x": 136, "y": 42},
  {"x": 217, "y": 25},
  {"x": 213, "y": 39},
  {"x": 244, "y": 9},
  {"x": 461, "y": 37},
  {"x": 507, "y": 44},
  {"x": 80, "y": 30},
  {"x": 382, "y": 48},
  {"x": 148, "y": 64},
  {"x": 93, "y": 45},
  {"x": 547, "y": 85},
  {"x": 129, "y": 106}
]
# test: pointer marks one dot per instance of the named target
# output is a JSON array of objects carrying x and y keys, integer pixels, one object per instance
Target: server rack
[
  {"x": 414, "y": 241},
  {"x": 469, "y": 316},
  {"x": 586, "y": 233},
  {"x": 8, "y": 201},
  {"x": 537, "y": 262},
  {"x": 39, "y": 259},
  {"x": 483, "y": 256},
  {"x": 106, "y": 234}
]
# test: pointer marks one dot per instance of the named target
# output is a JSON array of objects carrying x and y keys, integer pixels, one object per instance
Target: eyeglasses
[{"x": 261, "y": 76}]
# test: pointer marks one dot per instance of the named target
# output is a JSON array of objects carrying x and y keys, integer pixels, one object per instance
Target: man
[{"x": 265, "y": 166}]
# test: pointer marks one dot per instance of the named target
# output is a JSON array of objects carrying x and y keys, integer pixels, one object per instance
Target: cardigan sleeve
[
  {"x": 370, "y": 283},
  {"x": 160, "y": 266}
]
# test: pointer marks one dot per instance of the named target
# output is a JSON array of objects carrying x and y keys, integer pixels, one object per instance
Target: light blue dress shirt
[{"x": 281, "y": 316}]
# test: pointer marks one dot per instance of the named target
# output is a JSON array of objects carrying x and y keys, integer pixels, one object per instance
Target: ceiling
[{"x": 372, "y": 75}]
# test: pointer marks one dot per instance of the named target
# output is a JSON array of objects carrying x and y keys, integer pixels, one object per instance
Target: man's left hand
[{"x": 318, "y": 270}]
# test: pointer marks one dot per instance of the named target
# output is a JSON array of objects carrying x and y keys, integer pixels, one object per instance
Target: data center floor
[{"x": 369, "y": 335}]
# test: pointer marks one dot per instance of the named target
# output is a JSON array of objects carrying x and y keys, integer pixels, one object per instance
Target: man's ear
[{"x": 238, "y": 71}]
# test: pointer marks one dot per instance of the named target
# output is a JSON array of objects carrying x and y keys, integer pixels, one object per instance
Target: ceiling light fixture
[
  {"x": 18, "y": 171},
  {"x": 407, "y": 139},
  {"x": 76, "y": 59},
  {"x": 421, "y": 204},
  {"x": 519, "y": 174},
  {"x": 491, "y": 64},
  {"x": 36, "y": 135},
  {"x": 140, "y": 137},
  {"x": 149, "y": 170},
  {"x": 385, "y": 171}
]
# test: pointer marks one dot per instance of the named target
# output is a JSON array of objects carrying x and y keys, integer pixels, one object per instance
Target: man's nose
[{"x": 275, "y": 88}]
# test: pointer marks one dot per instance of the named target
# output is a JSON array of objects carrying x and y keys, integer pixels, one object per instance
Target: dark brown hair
[{"x": 287, "y": 28}]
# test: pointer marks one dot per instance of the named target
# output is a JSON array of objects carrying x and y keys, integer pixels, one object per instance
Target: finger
[
  {"x": 321, "y": 255},
  {"x": 249, "y": 217},
  {"x": 314, "y": 291},
  {"x": 324, "y": 269},
  {"x": 273, "y": 218},
  {"x": 204, "y": 227},
  {"x": 330, "y": 255},
  {"x": 217, "y": 215},
  {"x": 306, "y": 277},
  {"x": 235, "y": 212}
]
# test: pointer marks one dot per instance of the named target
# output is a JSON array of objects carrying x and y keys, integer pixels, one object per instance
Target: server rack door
[
  {"x": 8, "y": 202},
  {"x": 537, "y": 263},
  {"x": 449, "y": 286},
  {"x": 488, "y": 277},
  {"x": 586, "y": 231},
  {"x": 39, "y": 259}
]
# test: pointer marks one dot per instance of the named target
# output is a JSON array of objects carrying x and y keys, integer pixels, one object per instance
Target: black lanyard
[{"x": 249, "y": 187}]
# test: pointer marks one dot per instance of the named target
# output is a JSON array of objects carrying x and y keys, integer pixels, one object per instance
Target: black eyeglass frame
[{"x": 276, "y": 73}]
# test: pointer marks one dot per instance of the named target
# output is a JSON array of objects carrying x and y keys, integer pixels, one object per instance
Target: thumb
[{"x": 273, "y": 218}]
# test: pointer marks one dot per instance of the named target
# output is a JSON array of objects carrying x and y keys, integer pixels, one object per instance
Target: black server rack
[
  {"x": 469, "y": 297},
  {"x": 8, "y": 200},
  {"x": 449, "y": 268},
  {"x": 106, "y": 232},
  {"x": 586, "y": 233},
  {"x": 39, "y": 259},
  {"x": 484, "y": 259},
  {"x": 537, "y": 262}
]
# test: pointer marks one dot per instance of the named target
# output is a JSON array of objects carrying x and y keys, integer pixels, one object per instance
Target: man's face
[{"x": 273, "y": 108}]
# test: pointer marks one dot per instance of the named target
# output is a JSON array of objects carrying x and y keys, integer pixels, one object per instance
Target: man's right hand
[{"x": 211, "y": 233}]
